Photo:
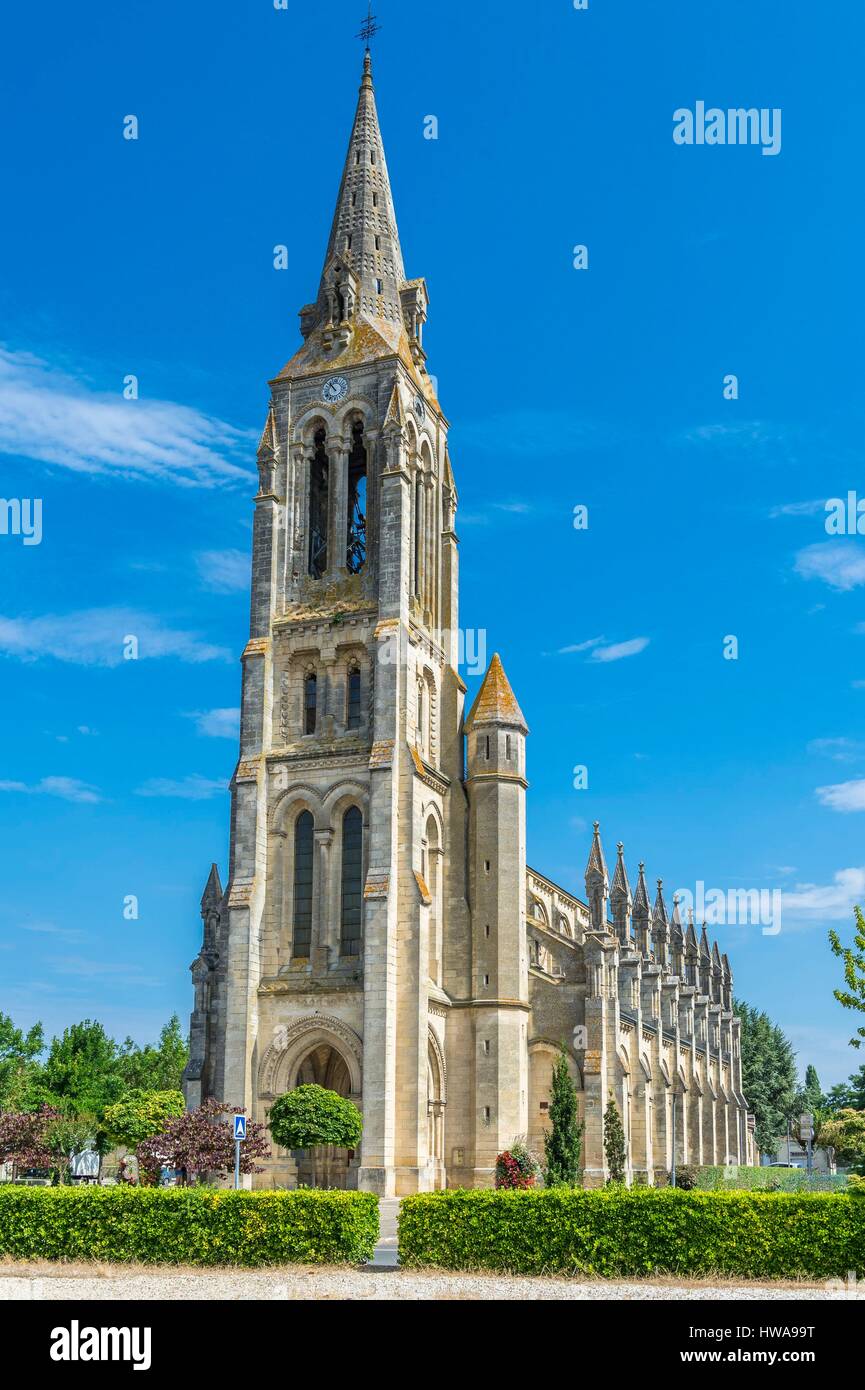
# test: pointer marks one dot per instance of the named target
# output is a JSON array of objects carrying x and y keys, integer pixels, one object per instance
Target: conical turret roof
[{"x": 496, "y": 703}]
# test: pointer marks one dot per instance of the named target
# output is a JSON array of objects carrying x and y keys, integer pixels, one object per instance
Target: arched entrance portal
[{"x": 324, "y": 1165}]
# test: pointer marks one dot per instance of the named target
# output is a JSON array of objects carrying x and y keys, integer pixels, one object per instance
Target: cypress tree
[
  {"x": 563, "y": 1143},
  {"x": 614, "y": 1142}
]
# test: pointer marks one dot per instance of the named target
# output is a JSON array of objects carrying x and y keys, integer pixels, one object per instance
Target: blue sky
[{"x": 603, "y": 387}]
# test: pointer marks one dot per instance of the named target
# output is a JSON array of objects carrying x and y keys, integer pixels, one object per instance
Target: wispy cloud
[
  {"x": 193, "y": 788},
  {"x": 66, "y": 788},
  {"x": 49, "y": 929},
  {"x": 50, "y": 416},
  {"x": 217, "y": 723},
  {"x": 223, "y": 571},
  {"x": 763, "y": 440},
  {"x": 839, "y": 563},
  {"x": 798, "y": 508},
  {"x": 619, "y": 650},
  {"x": 117, "y": 972},
  {"x": 96, "y": 636},
  {"x": 841, "y": 750},
  {"x": 612, "y": 651},
  {"x": 843, "y": 796},
  {"x": 825, "y": 902}
]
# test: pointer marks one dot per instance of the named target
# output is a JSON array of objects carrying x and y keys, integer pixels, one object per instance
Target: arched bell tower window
[
  {"x": 353, "y": 699},
  {"x": 304, "y": 848},
  {"x": 319, "y": 477},
  {"x": 352, "y": 882},
  {"x": 355, "y": 558},
  {"x": 310, "y": 703}
]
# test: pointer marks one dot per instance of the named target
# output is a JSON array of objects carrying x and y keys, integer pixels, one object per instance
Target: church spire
[{"x": 363, "y": 269}]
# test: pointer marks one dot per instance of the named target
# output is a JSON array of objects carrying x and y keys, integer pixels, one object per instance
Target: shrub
[
  {"x": 201, "y": 1143},
  {"x": 636, "y": 1231},
  {"x": 563, "y": 1142},
  {"x": 738, "y": 1178},
  {"x": 197, "y": 1226},
  {"x": 141, "y": 1115},
  {"x": 516, "y": 1167},
  {"x": 311, "y": 1115},
  {"x": 614, "y": 1142},
  {"x": 686, "y": 1177}
]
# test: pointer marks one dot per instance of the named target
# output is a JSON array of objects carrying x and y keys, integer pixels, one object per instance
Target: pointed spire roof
[
  {"x": 268, "y": 442},
  {"x": 395, "y": 415},
  {"x": 597, "y": 863},
  {"x": 676, "y": 921},
  {"x": 620, "y": 877},
  {"x": 691, "y": 939},
  {"x": 212, "y": 895},
  {"x": 659, "y": 915},
  {"x": 705, "y": 949},
  {"x": 365, "y": 216},
  {"x": 641, "y": 896},
  {"x": 716, "y": 955},
  {"x": 725, "y": 965},
  {"x": 496, "y": 703}
]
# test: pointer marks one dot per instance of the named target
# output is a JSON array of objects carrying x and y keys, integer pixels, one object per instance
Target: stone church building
[{"x": 381, "y": 933}]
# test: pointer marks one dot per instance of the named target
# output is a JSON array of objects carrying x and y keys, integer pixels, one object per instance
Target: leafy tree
[
  {"x": 311, "y": 1115},
  {"x": 853, "y": 997},
  {"x": 23, "y": 1139},
  {"x": 846, "y": 1133},
  {"x": 19, "y": 1053},
  {"x": 849, "y": 1095},
  {"x": 141, "y": 1115},
  {"x": 201, "y": 1143},
  {"x": 563, "y": 1142},
  {"x": 810, "y": 1097},
  {"x": 80, "y": 1076},
  {"x": 768, "y": 1075},
  {"x": 68, "y": 1135},
  {"x": 158, "y": 1068},
  {"x": 614, "y": 1142}
]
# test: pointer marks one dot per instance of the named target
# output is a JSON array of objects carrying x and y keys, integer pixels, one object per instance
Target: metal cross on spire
[{"x": 370, "y": 27}]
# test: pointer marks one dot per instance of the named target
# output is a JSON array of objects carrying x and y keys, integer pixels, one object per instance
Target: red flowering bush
[
  {"x": 199, "y": 1143},
  {"x": 516, "y": 1167},
  {"x": 24, "y": 1138}
]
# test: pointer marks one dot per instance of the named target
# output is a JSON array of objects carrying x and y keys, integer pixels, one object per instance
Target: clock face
[
  {"x": 335, "y": 389},
  {"x": 419, "y": 407}
]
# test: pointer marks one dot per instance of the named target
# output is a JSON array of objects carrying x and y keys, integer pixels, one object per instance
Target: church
[{"x": 381, "y": 933}]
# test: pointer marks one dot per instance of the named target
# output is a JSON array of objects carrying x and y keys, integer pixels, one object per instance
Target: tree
[
  {"x": 141, "y": 1115},
  {"x": 19, "y": 1053},
  {"x": 158, "y": 1068},
  {"x": 853, "y": 997},
  {"x": 810, "y": 1097},
  {"x": 23, "y": 1139},
  {"x": 311, "y": 1115},
  {"x": 845, "y": 1131},
  {"x": 849, "y": 1095},
  {"x": 563, "y": 1142},
  {"x": 80, "y": 1076},
  {"x": 614, "y": 1142},
  {"x": 768, "y": 1075},
  {"x": 66, "y": 1136},
  {"x": 201, "y": 1143}
]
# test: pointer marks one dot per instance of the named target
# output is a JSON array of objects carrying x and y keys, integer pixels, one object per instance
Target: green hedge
[
  {"x": 187, "y": 1225},
  {"x": 742, "y": 1179},
  {"x": 636, "y": 1231}
]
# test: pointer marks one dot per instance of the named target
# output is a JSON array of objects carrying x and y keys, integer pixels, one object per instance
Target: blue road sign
[{"x": 240, "y": 1127}]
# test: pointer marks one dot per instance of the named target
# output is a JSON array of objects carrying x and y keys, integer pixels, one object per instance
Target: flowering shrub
[
  {"x": 200, "y": 1143},
  {"x": 516, "y": 1168}
]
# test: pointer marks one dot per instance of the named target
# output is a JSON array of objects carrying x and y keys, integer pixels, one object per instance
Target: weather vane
[{"x": 369, "y": 26}]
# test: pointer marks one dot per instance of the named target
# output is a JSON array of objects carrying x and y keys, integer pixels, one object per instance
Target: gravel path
[{"x": 293, "y": 1282}]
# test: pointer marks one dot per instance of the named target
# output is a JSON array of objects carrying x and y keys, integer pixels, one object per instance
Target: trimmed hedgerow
[
  {"x": 730, "y": 1179},
  {"x": 194, "y": 1226},
  {"x": 636, "y": 1231}
]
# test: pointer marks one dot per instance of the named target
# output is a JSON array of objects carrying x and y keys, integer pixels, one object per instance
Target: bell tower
[{"x": 329, "y": 953}]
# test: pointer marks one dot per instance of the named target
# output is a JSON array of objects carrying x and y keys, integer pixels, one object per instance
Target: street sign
[
  {"x": 239, "y": 1127},
  {"x": 806, "y": 1126}
]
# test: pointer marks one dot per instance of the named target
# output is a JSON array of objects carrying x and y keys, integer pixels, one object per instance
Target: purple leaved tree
[{"x": 201, "y": 1143}]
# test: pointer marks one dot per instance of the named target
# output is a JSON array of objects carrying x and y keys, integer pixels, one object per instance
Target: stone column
[
  {"x": 337, "y": 541},
  {"x": 325, "y": 916}
]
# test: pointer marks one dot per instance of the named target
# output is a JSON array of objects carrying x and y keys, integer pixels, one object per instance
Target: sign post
[
  {"x": 239, "y": 1136},
  {"x": 806, "y": 1133}
]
